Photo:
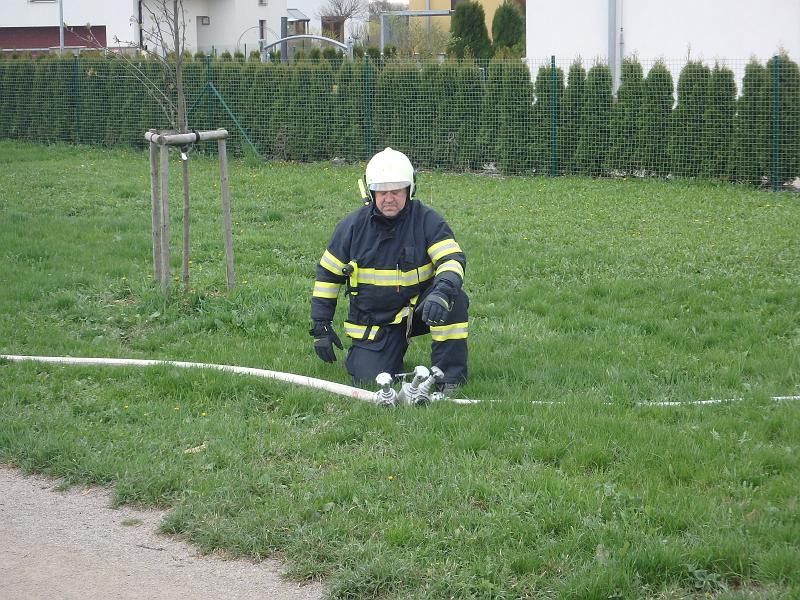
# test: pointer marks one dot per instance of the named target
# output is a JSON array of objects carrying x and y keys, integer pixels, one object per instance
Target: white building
[
  {"x": 730, "y": 32},
  {"x": 218, "y": 24}
]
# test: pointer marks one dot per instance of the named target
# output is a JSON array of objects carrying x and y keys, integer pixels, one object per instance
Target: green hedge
[{"x": 455, "y": 115}]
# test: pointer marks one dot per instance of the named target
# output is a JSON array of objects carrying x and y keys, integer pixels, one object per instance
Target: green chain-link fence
[{"x": 738, "y": 123}]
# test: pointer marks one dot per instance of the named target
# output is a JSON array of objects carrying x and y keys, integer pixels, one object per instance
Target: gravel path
[{"x": 74, "y": 545}]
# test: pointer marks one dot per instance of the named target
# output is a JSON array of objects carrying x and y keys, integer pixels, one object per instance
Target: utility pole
[{"x": 61, "y": 27}]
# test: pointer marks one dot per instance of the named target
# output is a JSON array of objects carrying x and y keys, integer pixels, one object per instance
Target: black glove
[
  {"x": 324, "y": 340},
  {"x": 435, "y": 308}
]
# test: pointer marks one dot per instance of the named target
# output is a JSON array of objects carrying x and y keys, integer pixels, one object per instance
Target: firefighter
[{"x": 402, "y": 270}]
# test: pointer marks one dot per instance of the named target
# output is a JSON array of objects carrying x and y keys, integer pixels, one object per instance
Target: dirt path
[{"x": 73, "y": 545}]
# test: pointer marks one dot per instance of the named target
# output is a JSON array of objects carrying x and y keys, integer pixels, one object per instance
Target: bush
[
  {"x": 543, "y": 116},
  {"x": 625, "y": 119},
  {"x": 508, "y": 26},
  {"x": 593, "y": 145},
  {"x": 445, "y": 126},
  {"x": 785, "y": 75},
  {"x": 20, "y": 77},
  {"x": 317, "y": 100},
  {"x": 238, "y": 56},
  {"x": 654, "y": 120},
  {"x": 349, "y": 112},
  {"x": 255, "y": 56},
  {"x": 374, "y": 54},
  {"x": 688, "y": 142},
  {"x": 390, "y": 51},
  {"x": 57, "y": 126},
  {"x": 570, "y": 117},
  {"x": 468, "y": 29},
  {"x": 516, "y": 102},
  {"x": 719, "y": 119},
  {"x": 358, "y": 51},
  {"x": 491, "y": 115},
  {"x": 315, "y": 54},
  {"x": 227, "y": 76},
  {"x": 469, "y": 90},
  {"x": 226, "y": 56},
  {"x": 753, "y": 126},
  {"x": 93, "y": 77},
  {"x": 396, "y": 115}
]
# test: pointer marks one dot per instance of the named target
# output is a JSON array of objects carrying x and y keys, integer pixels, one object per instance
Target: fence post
[
  {"x": 776, "y": 125},
  {"x": 226, "y": 211},
  {"x": 553, "y": 118},
  {"x": 155, "y": 201},
  {"x": 164, "y": 171}
]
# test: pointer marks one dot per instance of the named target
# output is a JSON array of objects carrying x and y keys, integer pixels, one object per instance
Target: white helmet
[{"x": 390, "y": 170}]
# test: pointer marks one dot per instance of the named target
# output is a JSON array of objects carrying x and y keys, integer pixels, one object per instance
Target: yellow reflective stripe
[
  {"x": 404, "y": 312},
  {"x": 331, "y": 263},
  {"x": 357, "y": 332},
  {"x": 325, "y": 289},
  {"x": 451, "y": 265},
  {"x": 441, "y": 249},
  {"x": 390, "y": 277},
  {"x": 456, "y": 331}
]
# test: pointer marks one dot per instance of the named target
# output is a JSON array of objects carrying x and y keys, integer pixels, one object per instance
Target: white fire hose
[{"x": 311, "y": 382}]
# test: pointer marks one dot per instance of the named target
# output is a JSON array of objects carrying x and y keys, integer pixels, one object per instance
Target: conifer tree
[
  {"x": 468, "y": 29},
  {"x": 593, "y": 145},
  {"x": 718, "y": 160},
  {"x": 626, "y": 119},
  {"x": 542, "y": 116},
  {"x": 93, "y": 75},
  {"x": 784, "y": 75},
  {"x": 468, "y": 99},
  {"x": 753, "y": 126},
  {"x": 349, "y": 112},
  {"x": 656, "y": 113},
  {"x": 688, "y": 142},
  {"x": 448, "y": 117},
  {"x": 516, "y": 101},
  {"x": 20, "y": 77},
  {"x": 491, "y": 113},
  {"x": 508, "y": 26},
  {"x": 570, "y": 117}
]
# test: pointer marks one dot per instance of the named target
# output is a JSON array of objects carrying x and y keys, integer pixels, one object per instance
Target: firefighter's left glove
[
  {"x": 325, "y": 339},
  {"x": 435, "y": 308}
]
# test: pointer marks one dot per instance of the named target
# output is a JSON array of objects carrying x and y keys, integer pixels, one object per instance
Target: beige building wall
[{"x": 489, "y": 7}]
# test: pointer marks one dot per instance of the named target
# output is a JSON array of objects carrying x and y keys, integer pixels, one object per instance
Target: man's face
[{"x": 391, "y": 202}]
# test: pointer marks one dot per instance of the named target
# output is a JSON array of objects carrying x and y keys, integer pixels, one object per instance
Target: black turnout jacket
[{"x": 384, "y": 264}]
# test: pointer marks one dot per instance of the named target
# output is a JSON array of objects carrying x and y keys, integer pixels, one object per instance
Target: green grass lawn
[{"x": 598, "y": 294}]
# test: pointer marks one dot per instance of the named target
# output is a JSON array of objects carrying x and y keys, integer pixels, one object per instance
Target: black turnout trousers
[{"x": 367, "y": 358}]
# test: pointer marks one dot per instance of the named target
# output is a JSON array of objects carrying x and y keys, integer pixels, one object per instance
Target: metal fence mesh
[{"x": 739, "y": 121}]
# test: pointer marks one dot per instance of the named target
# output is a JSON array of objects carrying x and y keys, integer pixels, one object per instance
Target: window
[
  {"x": 204, "y": 20},
  {"x": 262, "y": 2}
]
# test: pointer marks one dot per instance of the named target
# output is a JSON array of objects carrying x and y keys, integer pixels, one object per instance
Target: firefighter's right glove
[
  {"x": 435, "y": 308},
  {"x": 324, "y": 340}
]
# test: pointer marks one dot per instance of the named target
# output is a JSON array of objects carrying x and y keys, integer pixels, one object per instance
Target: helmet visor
[{"x": 388, "y": 186}]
